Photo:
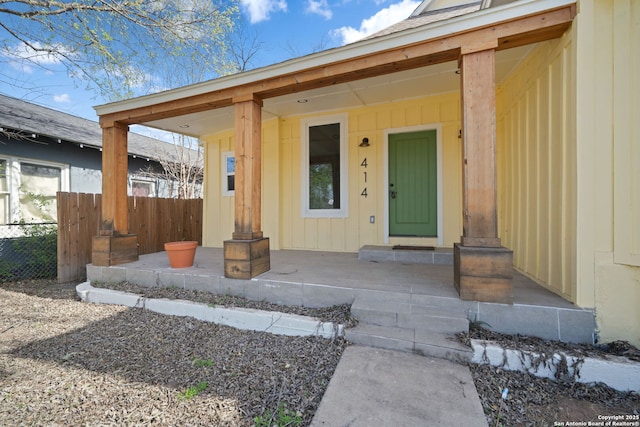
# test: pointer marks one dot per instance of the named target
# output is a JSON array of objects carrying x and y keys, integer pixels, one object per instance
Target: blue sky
[{"x": 286, "y": 29}]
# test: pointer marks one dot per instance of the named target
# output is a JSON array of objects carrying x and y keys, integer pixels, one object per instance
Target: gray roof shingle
[
  {"x": 428, "y": 18},
  {"x": 27, "y": 117},
  {"x": 423, "y": 16}
]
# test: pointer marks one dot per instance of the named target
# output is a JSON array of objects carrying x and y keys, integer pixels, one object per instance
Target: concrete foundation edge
[
  {"x": 618, "y": 373},
  {"x": 241, "y": 318}
]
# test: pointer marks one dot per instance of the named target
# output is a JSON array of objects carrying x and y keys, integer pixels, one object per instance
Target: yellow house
[{"x": 508, "y": 130}]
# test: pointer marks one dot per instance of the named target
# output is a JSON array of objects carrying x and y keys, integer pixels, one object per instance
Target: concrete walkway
[
  {"x": 371, "y": 386},
  {"x": 377, "y": 387}
]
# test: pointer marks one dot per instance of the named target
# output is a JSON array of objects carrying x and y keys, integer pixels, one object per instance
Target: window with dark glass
[
  {"x": 228, "y": 173},
  {"x": 324, "y": 166},
  {"x": 231, "y": 173}
]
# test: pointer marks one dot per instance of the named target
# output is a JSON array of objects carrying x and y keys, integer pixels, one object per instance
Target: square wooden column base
[
  {"x": 114, "y": 250},
  {"x": 483, "y": 274},
  {"x": 245, "y": 259}
]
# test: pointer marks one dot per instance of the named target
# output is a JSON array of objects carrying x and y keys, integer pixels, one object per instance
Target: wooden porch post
[
  {"x": 114, "y": 245},
  {"x": 246, "y": 255},
  {"x": 483, "y": 269}
]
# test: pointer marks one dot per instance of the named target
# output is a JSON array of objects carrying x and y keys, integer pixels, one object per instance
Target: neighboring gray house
[{"x": 43, "y": 151}]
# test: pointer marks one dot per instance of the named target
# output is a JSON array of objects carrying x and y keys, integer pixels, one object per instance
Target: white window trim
[
  {"x": 151, "y": 182},
  {"x": 8, "y": 208},
  {"x": 225, "y": 173},
  {"x": 343, "y": 212},
  {"x": 14, "y": 182},
  {"x": 64, "y": 169},
  {"x": 13, "y": 169}
]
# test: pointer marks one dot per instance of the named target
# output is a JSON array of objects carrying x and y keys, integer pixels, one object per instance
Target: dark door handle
[{"x": 393, "y": 194}]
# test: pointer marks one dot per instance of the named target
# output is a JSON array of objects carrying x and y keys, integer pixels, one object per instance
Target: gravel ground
[{"x": 63, "y": 362}]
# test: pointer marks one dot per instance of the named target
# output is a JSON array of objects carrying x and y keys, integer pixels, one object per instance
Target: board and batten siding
[
  {"x": 568, "y": 141},
  {"x": 218, "y": 215},
  {"x": 282, "y": 219},
  {"x": 536, "y": 149},
  {"x": 626, "y": 131},
  {"x": 608, "y": 134}
]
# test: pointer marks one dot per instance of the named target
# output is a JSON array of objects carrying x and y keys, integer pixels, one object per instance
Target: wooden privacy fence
[{"x": 154, "y": 220}]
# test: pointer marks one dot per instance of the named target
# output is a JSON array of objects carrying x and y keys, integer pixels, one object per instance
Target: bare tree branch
[
  {"x": 118, "y": 45},
  {"x": 19, "y": 135},
  {"x": 183, "y": 169},
  {"x": 244, "y": 45}
]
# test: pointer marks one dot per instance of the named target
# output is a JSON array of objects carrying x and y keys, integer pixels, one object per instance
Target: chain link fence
[{"x": 28, "y": 251}]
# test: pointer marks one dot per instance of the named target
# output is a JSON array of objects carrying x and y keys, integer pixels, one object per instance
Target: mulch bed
[
  {"x": 338, "y": 314},
  {"x": 63, "y": 362}
]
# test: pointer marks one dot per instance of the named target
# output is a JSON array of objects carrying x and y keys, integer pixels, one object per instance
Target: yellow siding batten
[
  {"x": 626, "y": 116},
  {"x": 608, "y": 131},
  {"x": 282, "y": 219},
  {"x": 569, "y": 120},
  {"x": 537, "y": 183}
]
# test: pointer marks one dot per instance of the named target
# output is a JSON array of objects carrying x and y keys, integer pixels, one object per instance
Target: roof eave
[{"x": 410, "y": 36}]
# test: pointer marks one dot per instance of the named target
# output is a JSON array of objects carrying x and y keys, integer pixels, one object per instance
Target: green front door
[{"x": 413, "y": 185}]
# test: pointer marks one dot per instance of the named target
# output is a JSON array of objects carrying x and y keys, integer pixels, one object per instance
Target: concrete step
[
  {"x": 431, "y": 318},
  {"x": 425, "y": 343},
  {"x": 388, "y": 253},
  {"x": 424, "y": 326}
]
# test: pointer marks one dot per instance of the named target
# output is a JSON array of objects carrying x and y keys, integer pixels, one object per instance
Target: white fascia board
[
  {"x": 421, "y": 7},
  {"x": 434, "y": 30}
]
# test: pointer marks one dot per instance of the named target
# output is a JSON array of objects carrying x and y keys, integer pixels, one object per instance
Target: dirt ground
[
  {"x": 63, "y": 362},
  {"x": 533, "y": 401},
  {"x": 543, "y": 402},
  {"x": 68, "y": 363}
]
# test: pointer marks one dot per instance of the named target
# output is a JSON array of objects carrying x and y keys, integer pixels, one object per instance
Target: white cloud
[
  {"x": 259, "y": 10},
  {"x": 21, "y": 66},
  {"x": 319, "y": 7},
  {"x": 382, "y": 19},
  {"x": 62, "y": 98},
  {"x": 37, "y": 53}
]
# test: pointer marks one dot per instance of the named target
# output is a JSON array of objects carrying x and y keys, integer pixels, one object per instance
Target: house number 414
[{"x": 364, "y": 165}]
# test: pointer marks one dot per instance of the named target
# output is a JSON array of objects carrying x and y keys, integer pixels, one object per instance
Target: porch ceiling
[
  {"x": 419, "y": 82},
  {"x": 411, "y": 63}
]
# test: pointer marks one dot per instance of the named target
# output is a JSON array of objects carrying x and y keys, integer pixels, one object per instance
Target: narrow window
[
  {"x": 324, "y": 167},
  {"x": 228, "y": 173},
  {"x": 4, "y": 193}
]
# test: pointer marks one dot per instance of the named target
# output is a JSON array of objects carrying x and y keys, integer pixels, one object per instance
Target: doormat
[{"x": 413, "y": 248}]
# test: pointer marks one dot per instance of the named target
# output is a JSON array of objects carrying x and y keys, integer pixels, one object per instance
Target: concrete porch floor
[{"x": 317, "y": 279}]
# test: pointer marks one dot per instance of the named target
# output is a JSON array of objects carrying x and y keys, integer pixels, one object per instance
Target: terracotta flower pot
[{"x": 181, "y": 254}]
